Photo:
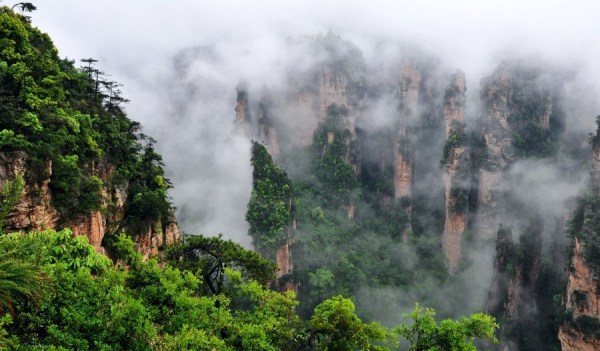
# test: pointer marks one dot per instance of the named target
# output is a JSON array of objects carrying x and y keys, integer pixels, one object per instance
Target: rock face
[
  {"x": 581, "y": 330},
  {"x": 287, "y": 119},
  {"x": 285, "y": 268},
  {"x": 35, "y": 211},
  {"x": 408, "y": 91},
  {"x": 242, "y": 110},
  {"x": 581, "y": 300},
  {"x": 402, "y": 173},
  {"x": 521, "y": 116},
  {"x": 513, "y": 292},
  {"x": 496, "y": 96},
  {"x": 456, "y": 171},
  {"x": 267, "y": 132},
  {"x": 515, "y": 100},
  {"x": 498, "y": 290},
  {"x": 325, "y": 91}
]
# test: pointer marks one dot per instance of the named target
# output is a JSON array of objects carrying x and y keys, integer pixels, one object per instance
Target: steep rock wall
[
  {"x": 456, "y": 171},
  {"x": 35, "y": 211},
  {"x": 496, "y": 95},
  {"x": 581, "y": 330},
  {"x": 513, "y": 291},
  {"x": 408, "y": 90},
  {"x": 581, "y": 299},
  {"x": 515, "y": 100}
]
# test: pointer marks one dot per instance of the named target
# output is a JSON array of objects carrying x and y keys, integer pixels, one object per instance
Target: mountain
[
  {"x": 383, "y": 180},
  {"x": 459, "y": 206},
  {"x": 86, "y": 165}
]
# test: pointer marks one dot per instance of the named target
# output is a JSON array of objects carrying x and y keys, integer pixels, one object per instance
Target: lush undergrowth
[{"x": 76, "y": 299}]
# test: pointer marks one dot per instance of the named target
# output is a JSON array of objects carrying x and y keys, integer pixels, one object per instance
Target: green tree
[
  {"x": 211, "y": 256},
  {"x": 425, "y": 334},
  {"x": 336, "y": 327},
  {"x": 270, "y": 202}
]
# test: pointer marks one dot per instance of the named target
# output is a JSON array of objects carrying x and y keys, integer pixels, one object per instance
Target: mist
[
  {"x": 180, "y": 63},
  {"x": 188, "y": 106}
]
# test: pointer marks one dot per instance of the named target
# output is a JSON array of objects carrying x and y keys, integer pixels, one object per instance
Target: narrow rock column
[
  {"x": 456, "y": 171},
  {"x": 408, "y": 91}
]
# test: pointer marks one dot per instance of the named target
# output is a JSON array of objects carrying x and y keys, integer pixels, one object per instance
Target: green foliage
[
  {"x": 336, "y": 253},
  {"x": 17, "y": 279},
  {"x": 74, "y": 191},
  {"x": 50, "y": 247},
  {"x": 147, "y": 191},
  {"x": 528, "y": 104},
  {"x": 455, "y": 139},
  {"x": 270, "y": 202},
  {"x": 585, "y": 225},
  {"x": 122, "y": 247},
  {"x": 54, "y": 111},
  {"x": 460, "y": 201},
  {"x": 92, "y": 305},
  {"x": 10, "y": 194},
  {"x": 7, "y": 341},
  {"x": 331, "y": 164},
  {"x": 211, "y": 256},
  {"x": 426, "y": 334},
  {"x": 340, "y": 329}
]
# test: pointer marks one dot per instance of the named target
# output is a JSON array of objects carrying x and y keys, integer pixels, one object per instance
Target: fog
[{"x": 188, "y": 106}]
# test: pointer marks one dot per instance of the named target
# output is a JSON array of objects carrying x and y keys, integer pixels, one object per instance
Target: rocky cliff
[
  {"x": 397, "y": 163},
  {"x": 456, "y": 171},
  {"x": 35, "y": 210},
  {"x": 513, "y": 294},
  {"x": 496, "y": 97},
  {"x": 581, "y": 328}
]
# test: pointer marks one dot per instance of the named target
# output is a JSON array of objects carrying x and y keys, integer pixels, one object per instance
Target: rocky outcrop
[
  {"x": 455, "y": 102},
  {"x": 512, "y": 297},
  {"x": 285, "y": 265},
  {"x": 581, "y": 301},
  {"x": 496, "y": 96},
  {"x": 35, "y": 212},
  {"x": 266, "y": 130},
  {"x": 409, "y": 85},
  {"x": 242, "y": 110},
  {"x": 522, "y": 288},
  {"x": 497, "y": 293},
  {"x": 581, "y": 328},
  {"x": 515, "y": 101},
  {"x": 155, "y": 237},
  {"x": 456, "y": 171},
  {"x": 408, "y": 89},
  {"x": 402, "y": 173},
  {"x": 328, "y": 87}
]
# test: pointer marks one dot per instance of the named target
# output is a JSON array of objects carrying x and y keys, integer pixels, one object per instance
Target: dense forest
[{"x": 65, "y": 138}]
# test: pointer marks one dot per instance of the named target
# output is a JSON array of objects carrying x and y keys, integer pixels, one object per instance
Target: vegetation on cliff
[
  {"x": 52, "y": 110},
  {"x": 348, "y": 241},
  {"x": 270, "y": 202}
]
